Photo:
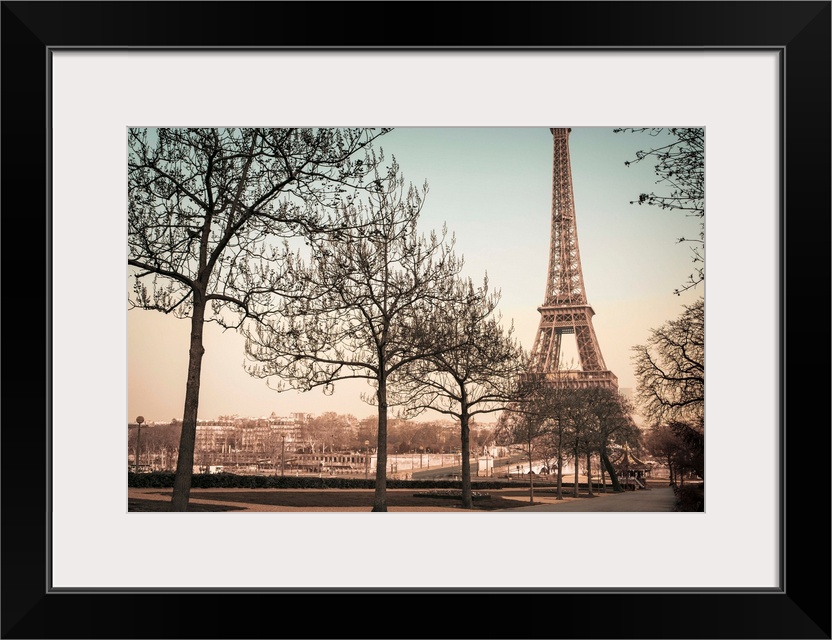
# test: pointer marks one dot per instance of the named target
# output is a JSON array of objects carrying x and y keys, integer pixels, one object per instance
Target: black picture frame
[{"x": 799, "y": 31}]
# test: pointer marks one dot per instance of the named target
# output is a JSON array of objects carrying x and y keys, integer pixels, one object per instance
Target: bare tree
[
  {"x": 362, "y": 305},
  {"x": 680, "y": 446},
  {"x": 664, "y": 445},
  {"x": 670, "y": 369},
  {"x": 549, "y": 408},
  {"x": 614, "y": 426},
  {"x": 583, "y": 432},
  {"x": 536, "y": 421},
  {"x": 203, "y": 205},
  {"x": 680, "y": 168},
  {"x": 160, "y": 439},
  {"x": 692, "y": 436},
  {"x": 330, "y": 430},
  {"x": 475, "y": 372}
]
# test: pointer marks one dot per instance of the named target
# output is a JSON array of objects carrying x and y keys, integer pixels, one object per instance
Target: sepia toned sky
[{"x": 492, "y": 188}]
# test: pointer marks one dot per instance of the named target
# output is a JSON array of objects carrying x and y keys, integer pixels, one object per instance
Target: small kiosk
[{"x": 632, "y": 472}]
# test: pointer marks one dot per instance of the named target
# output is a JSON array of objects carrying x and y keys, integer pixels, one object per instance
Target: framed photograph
[{"x": 754, "y": 75}]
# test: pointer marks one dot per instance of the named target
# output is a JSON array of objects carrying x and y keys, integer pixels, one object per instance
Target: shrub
[
  {"x": 164, "y": 480},
  {"x": 690, "y": 497},
  {"x": 157, "y": 479}
]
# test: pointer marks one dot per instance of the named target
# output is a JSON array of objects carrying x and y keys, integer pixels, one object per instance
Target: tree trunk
[
  {"x": 380, "y": 496},
  {"x": 138, "y": 445},
  {"x": 603, "y": 475},
  {"x": 589, "y": 474},
  {"x": 187, "y": 439},
  {"x": 531, "y": 481},
  {"x": 467, "y": 493},
  {"x": 560, "y": 476},
  {"x": 605, "y": 460},
  {"x": 575, "y": 488}
]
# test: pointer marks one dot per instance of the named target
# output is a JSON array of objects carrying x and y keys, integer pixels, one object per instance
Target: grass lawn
[
  {"x": 139, "y": 504},
  {"x": 332, "y": 499}
]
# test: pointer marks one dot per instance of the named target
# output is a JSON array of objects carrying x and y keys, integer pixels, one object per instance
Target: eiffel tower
[{"x": 565, "y": 309}]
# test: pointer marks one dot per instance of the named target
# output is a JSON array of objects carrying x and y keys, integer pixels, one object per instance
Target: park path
[{"x": 655, "y": 499}]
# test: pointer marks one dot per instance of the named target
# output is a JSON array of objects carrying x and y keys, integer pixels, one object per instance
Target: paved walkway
[{"x": 656, "y": 499}]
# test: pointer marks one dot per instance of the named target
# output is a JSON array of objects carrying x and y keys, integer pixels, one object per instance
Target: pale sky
[{"x": 492, "y": 187}]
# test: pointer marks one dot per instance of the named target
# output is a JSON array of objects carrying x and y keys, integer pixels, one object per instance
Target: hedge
[{"x": 164, "y": 480}]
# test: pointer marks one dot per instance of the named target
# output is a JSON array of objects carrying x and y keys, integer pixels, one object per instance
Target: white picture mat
[{"x": 96, "y": 543}]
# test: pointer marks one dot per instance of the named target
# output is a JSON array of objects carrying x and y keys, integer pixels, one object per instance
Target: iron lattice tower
[{"x": 565, "y": 309}]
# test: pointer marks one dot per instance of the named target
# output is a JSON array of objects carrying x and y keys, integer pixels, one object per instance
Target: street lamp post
[
  {"x": 366, "y": 459},
  {"x": 283, "y": 455},
  {"x": 139, "y": 420}
]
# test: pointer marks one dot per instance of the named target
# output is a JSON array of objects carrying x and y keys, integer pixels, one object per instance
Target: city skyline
[{"x": 492, "y": 188}]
